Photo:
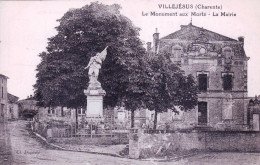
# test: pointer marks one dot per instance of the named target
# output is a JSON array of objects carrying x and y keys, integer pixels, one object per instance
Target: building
[
  {"x": 3, "y": 97},
  {"x": 28, "y": 107},
  {"x": 253, "y": 116},
  {"x": 59, "y": 113},
  {"x": 12, "y": 107},
  {"x": 120, "y": 118},
  {"x": 219, "y": 64}
]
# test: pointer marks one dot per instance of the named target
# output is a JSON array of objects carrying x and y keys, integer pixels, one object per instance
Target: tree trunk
[
  {"x": 76, "y": 118},
  {"x": 62, "y": 114},
  {"x": 155, "y": 120},
  {"x": 132, "y": 118}
]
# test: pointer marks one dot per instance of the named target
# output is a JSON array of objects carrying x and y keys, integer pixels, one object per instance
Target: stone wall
[
  {"x": 3, "y": 98},
  {"x": 232, "y": 141},
  {"x": 143, "y": 145}
]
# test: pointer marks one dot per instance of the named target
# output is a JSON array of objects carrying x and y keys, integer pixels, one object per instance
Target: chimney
[
  {"x": 241, "y": 39},
  {"x": 156, "y": 40},
  {"x": 149, "y": 46}
]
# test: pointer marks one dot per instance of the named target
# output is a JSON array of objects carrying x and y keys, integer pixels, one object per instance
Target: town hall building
[{"x": 219, "y": 64}]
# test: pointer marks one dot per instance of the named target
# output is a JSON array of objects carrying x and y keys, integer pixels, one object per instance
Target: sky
[{"x": 25, "y": 27}]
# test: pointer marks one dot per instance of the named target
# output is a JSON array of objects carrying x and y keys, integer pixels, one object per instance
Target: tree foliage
[
  {"x": 61, "y": 78},
  {"x": 129, "y": 78},
  {"x": 168, "y": 86}
]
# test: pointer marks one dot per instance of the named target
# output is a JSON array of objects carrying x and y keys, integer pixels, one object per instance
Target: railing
[
  {"x": 158, "y": 131},
  {"x": 154, "y": 131},
  {"x": 58, "y": 131},
  {"x": 106, "y": 135}
]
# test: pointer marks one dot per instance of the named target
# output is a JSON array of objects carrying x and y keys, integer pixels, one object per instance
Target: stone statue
[{"x": 94, "y": 65}]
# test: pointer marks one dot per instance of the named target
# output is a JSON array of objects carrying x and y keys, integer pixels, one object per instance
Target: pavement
[
  {"x": 5, "y": 151},
  {"x": 19, "y": 146},
  {"x": 112, "y": 150}
]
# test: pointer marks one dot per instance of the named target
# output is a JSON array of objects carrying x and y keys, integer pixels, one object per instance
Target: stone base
[
  {"x": 95, "y": 95},
  {"x": 94, "y": 106}
]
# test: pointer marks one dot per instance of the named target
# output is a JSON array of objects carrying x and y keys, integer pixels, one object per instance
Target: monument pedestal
[{"x": 95, "y": 95}]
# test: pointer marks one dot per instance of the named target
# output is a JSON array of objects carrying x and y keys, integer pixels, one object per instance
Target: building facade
[
  {"x": 28, "y": 107},
  {"x": 219, "y": 64},
  {"x": 3, "y": 98},
  {"x": 12, "y": 107}
]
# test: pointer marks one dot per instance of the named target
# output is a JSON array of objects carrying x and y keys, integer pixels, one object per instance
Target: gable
[{"x": 191, "y": 32}]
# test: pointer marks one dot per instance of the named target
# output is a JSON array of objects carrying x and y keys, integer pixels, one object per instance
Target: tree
[
  {"x": 61, "y": 77},
  {"x": 168, "y": 87}
]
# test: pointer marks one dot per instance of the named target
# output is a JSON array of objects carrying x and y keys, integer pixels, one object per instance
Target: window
[
  {"x": 202, "y": 51},
  {"x": 203, "y": 82},
  {"x": 2, "y": 92},
  {"x": 202, "y": 113},
  {"x": 51, "y": 111},
  {"x": 227, "y": 82},
  {"x": 176, "y": 51},
  {"x": 2, "y": 111},
  {"x": 81, "y": 111}
]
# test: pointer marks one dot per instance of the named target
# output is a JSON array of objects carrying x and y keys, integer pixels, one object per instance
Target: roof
[
  {"x": 192, "y": 32},
  {"x": 12, "y": 98},
  {"x": 28, "y": 99},
  {"x": 1, "y": 75}
]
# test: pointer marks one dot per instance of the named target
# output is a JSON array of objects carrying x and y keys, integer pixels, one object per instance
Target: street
[{"x": 20, "y": 146}]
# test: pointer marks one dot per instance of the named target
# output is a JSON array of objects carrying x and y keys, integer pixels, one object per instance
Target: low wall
[
  {"x": 89, "y": 141},
  {"x": 143, "y": 145},
  {"x": 233, "y": 141},
  {"x": 47, "y": 131}
]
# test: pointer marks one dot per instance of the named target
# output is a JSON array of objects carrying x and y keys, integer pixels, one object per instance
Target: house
[
  {"x": 28, "y": 107},
  {"x": 59, "y": 113},
  {"x": 219, "y": 64},
  {"x": 12, "y": 107},
  {"x": 3, "y": 98}
]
